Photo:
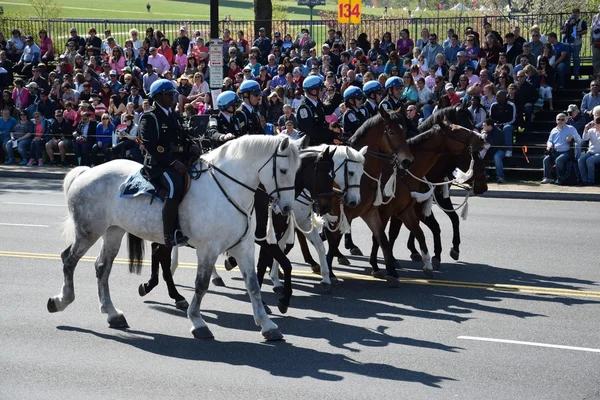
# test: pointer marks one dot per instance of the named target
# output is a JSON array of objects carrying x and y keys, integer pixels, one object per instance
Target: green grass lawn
[{"x": 166, "y": 9}]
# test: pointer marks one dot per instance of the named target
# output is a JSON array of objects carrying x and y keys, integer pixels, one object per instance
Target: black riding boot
[{"x": 173, "y": 237}]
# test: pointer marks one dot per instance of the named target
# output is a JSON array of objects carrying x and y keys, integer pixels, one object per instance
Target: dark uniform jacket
[
  {"x": 61, "y": 130},
  {"x": 311, "y": 122},
  {"x": 352, "y": 120},
  {"x": 164, "y": 139},
  {"x": 91, "y": 132},
  {"x": 249, "y": 122},
  {"x": 390, "y": 104},
  {"x": 218, "y": 126},
  {"x": 370, "y": 109}
]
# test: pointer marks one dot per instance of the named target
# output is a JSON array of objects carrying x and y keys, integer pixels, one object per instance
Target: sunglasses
[
  {"x": 561, "y": 119},
  {"x": 105, "y": 119}
]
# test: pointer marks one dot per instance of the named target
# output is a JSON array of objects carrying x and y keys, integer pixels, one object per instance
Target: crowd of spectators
[{"x": 93, "y": 95}]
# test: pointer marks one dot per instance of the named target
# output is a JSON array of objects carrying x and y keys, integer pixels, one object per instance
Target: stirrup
[{"x": 176, "y": 240}]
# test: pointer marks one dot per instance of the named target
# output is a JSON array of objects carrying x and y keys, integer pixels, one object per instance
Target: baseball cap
[
  {"x": 469, "y": 68},
  {"x": 326, "y": 45},
  {"x": 112, "y": 72},
  {"x": 32, "y": 85},
  {"x": 276, "y": 34},
  {"x": 461, "y": 54},
  {"x": 183, "y": 28},
  {"x": 449, "y": 86},
  {"x": 527, "y": 44},
  {"x": 572, "y": 107},
  {"x": 297, "y": 60},
  {"x": 262, "y": 30}
]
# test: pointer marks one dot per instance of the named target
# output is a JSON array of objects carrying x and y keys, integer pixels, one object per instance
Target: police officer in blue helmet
[
  {"x": 394, "y": 87},
  {"x": 225, "y": 126},
  {"x": 353, "y": 117},
  {"x": 373, "y": 92},
  {"x": 247, "y": 113},
  {"x": 311, "y": 113},
  {"x": 165, "y": 140}
]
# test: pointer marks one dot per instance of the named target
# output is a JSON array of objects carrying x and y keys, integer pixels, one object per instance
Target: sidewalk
[{"x": 509, "y": 190}]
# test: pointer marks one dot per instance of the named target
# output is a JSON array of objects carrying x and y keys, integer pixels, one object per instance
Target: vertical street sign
[{"x": 215, "y": 56}]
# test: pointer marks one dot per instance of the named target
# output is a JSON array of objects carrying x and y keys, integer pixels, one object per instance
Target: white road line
[
  {"x": 25, "y": 225},
  {"x": 34, "y": 204},
  {"x": 554, "y": 346}
]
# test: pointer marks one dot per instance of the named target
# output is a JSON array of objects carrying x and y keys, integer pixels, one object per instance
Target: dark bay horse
[
  {"x": 441, "y": 170},
  {"x": 385, "y": 137},
  {"x": 427, "y": 147}
]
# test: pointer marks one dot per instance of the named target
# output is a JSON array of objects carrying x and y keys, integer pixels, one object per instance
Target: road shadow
[{"x": 274, "y": 358}]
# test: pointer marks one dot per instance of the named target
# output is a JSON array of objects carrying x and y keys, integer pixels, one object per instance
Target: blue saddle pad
[{"x": 137, "y": 185}]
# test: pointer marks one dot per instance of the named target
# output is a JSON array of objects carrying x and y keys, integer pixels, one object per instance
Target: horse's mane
[
  {"x": 419, "y": 139},
  {"x": 437, "y": 117},
  {"x": 371, "y": 123},
  {"x": 340, "y": 151},
  {"x": 251, "y": 147}
]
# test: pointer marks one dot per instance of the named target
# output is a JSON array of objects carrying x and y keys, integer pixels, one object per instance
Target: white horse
[
  {"x": 216, "y": 215},
  {"x": 348, "y": 168}
]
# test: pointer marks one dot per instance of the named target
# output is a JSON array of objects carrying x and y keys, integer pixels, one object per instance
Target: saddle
[{"x": 137, "y": 184}]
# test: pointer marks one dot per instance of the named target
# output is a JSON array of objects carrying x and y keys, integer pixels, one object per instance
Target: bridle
[
  {"x": 277, "y": 189},
  {"x": 392, "y": 158},
  {"x": 312, "y": 200},
  {"x": 347, "y": 186}
]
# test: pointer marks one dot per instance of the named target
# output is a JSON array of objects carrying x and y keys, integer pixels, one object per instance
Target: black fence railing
[{"x": 374, "y": 28}]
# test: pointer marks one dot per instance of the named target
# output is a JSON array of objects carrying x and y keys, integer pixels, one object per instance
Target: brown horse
[
  {"x": 427, "y": 147},
  {"x": 385, "y": 137}
]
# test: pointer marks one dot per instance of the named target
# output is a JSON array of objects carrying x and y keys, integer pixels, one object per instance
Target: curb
[
  {"x": 533, "y": 195},
  {"x": 490, "y": 194}
]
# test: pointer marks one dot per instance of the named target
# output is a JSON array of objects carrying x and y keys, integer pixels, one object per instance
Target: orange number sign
[{"x": 349, "y": 11}]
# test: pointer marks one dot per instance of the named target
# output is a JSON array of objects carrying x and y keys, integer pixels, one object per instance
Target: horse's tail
[
  {"x": 71, "y": 176},
  {"x": 136, "y": 253}
]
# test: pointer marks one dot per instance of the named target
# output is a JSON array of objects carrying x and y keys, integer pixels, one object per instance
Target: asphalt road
[{"x": 440, "y": 339}]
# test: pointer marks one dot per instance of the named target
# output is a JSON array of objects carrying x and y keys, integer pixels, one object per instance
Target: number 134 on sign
[{"x": 349, "y": 11}]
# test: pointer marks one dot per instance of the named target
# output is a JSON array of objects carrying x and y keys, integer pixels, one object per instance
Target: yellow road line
[{"x": 352, "y": 276}]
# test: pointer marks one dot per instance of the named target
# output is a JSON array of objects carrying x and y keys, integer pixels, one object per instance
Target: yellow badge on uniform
[
  {"x": 352, "y": 117},
  {"x": 303, "y": 113},
  {"x": 160, "y": 149}
]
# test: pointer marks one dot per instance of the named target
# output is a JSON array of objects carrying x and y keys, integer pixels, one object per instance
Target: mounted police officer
[
  {"x": 311, "y": 113},
  {"x": 373, "y": 92},
  {"x": 353, "y": 117},
  {"x": 246, "y": 114},
  {"x": 225, "y": 126},
  {"x": 394, "y": 87},
  {"x": 164, "y": 139}
]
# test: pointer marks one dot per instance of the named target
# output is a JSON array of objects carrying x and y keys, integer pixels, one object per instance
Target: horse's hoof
[
  {"x": 326, "y": 287},
  {"x": 355, "y": 251},
  {"x": 272, "y": 335},
  {"x": 343, "y": 261},
  {"x": 435, "y": 261},
  {"x": 142, "y": 290},
  {"x": 316, "y": 269},
  {"x": 283, "y": 305},
  {"x": 454, "y": 254},
  {"x": 228, "y": 265},
  {"x": 278, "y": 289},
  {"x": 202, "y": 333},
  {"x": 118, "y": 322},
  {"x": 52, "y": 305},
  {"x": 392, "y": 281},
  {"x": 182, "y": 305},
  {"x": 416, "y": 257},
  {"x": 267, "y": 309},
  {"x": 428, "y": 272},
  {"x": 218, "y": 282},
  {"x": 335, "y": 281},
  {"x": 379, "y": 274}
]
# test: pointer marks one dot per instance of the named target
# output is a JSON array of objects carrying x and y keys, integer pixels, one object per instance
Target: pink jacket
[
  {"x": 21, "y": 98},
  {"x": 117, "y": 66}
]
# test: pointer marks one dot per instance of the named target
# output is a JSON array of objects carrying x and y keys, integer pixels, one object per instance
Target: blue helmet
[
  {"x": 353, "y": 92},
  {"x": 312, "y": 82},
  {"x": 394, "y": 81},
  {"x": 372, "y": 87},
  {"x": 226, "y": 100},
  {"x": 162, "y": 86},
  {"x": 251, "y": 87}
]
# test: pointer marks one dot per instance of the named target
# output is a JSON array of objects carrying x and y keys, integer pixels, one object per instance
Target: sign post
[
  {"x": 311, "y": 4},
  {"x": 215, "y": 56},
  {"x": 349, "y": 11}
]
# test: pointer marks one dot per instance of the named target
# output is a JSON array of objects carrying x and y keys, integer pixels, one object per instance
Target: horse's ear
[
  {"x": 364, "y": 150},
  {"x": 384, "y": 114},
  {"x": 284, "y": 144},
  {"x": 302, "y": 142},
  {"x": 326, "y": 154}
]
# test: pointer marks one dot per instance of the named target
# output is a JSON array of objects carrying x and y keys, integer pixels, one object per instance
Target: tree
[
  {"x": 263, "y": 16},
  {"x": 46, "y": 9}
]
